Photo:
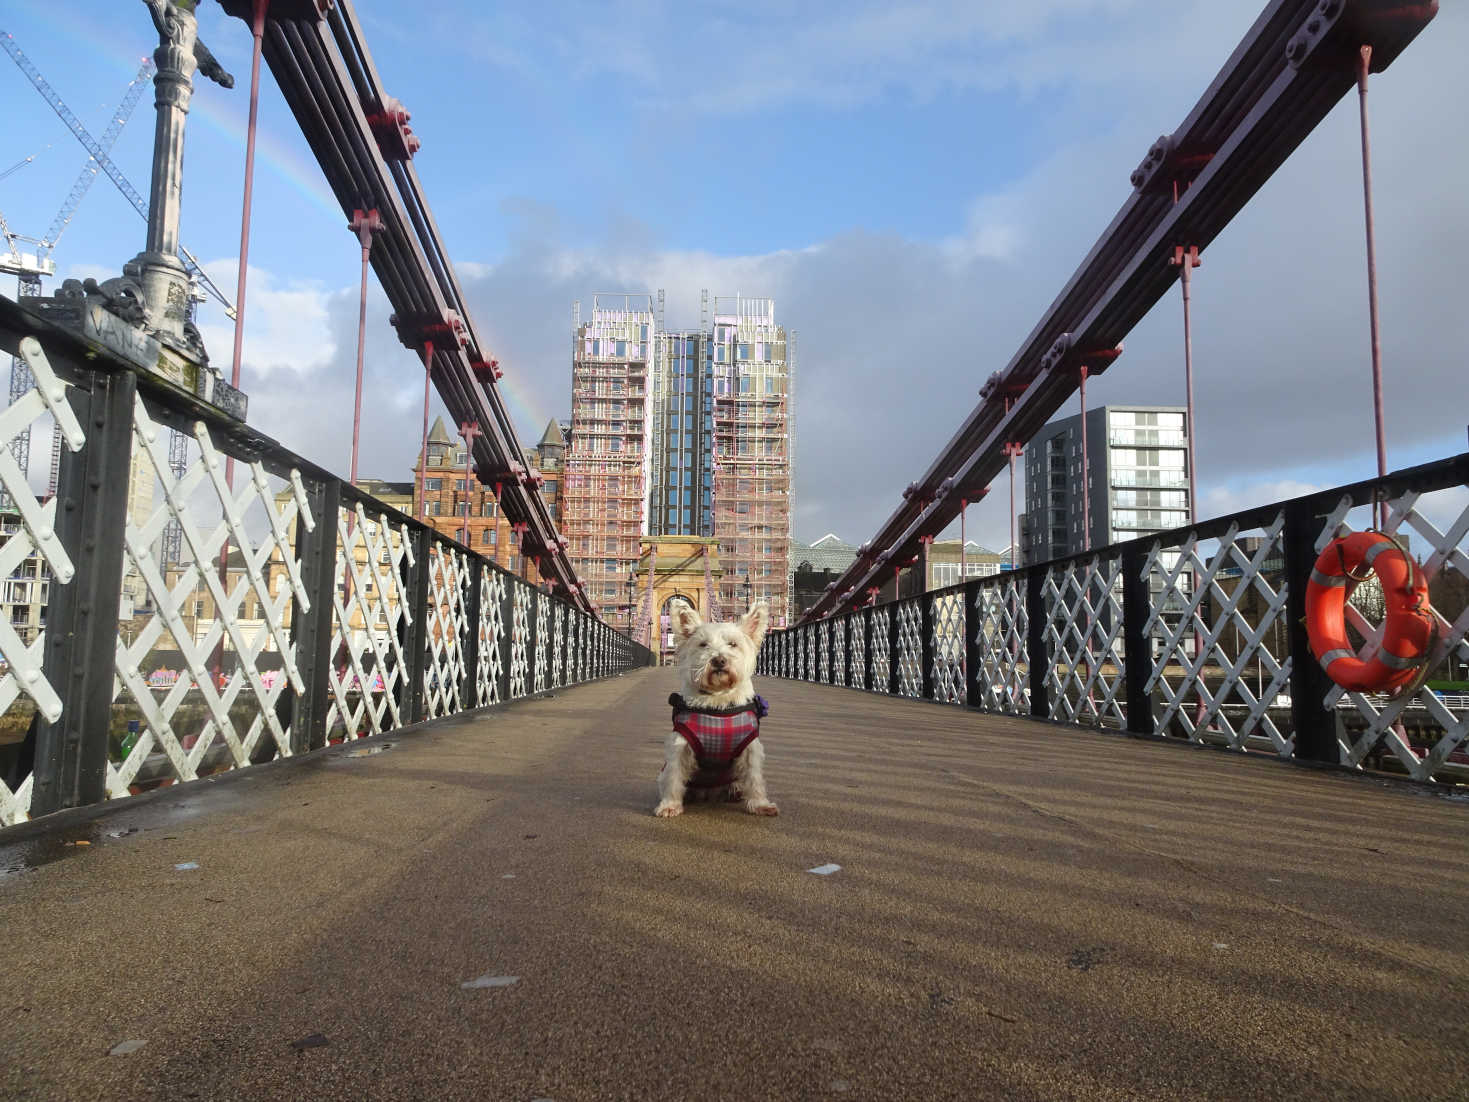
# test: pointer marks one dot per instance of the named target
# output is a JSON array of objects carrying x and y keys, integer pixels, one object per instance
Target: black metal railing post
[
  {"x": 506, "y": 642},
  {"x": 927, "y": 649},
  {"x": 311, "y": 631},
  {"x": 415, "y": 633},
  {"x": 1035, "y": 643},
  {"x": 848, "y": 631},
  {"x": 1315, "y": 725},
  {"x": 973, "y": 654},
  {"x": 894, "y": 671},
  {"x": 472, "y": 612},
  {"x": 1137, "y": 646},
  {"x": 865, "y": 619},
  {"x": 79, "y": 662}
]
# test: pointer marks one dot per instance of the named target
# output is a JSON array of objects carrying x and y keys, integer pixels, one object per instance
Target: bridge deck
[{"x": 1022, "y": 911}]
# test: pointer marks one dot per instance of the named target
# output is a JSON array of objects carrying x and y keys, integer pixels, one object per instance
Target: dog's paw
[
  {"x": 767, "y": 808},
  {"x": 668, "y": 811}
]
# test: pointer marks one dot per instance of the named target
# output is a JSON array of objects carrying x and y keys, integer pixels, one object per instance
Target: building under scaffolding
[
  {"x": 605, "y": 509},
  {"x": 681, "y": 433}
]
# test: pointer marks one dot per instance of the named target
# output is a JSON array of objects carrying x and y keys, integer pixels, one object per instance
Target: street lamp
[
  {"x": 632, "y": 585},
  {"x": 749, "y": 591}
]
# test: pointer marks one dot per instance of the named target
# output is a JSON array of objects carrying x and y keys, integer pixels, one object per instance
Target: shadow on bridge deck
[{"x": 1021, "y": 911}]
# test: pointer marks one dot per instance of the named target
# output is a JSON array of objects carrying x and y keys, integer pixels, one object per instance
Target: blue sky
[{"x": 912, "y": 182}]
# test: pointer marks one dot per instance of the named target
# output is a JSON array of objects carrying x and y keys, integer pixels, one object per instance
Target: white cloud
[{"x": 285, "y": 322}]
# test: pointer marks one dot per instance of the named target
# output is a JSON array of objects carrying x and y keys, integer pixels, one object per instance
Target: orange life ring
[{"x": 1407, "y": 630}]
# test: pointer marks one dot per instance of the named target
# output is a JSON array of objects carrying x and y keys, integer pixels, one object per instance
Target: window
[
  {"x": 432, "y": 484},
  {"x": 487, "y": 537}
]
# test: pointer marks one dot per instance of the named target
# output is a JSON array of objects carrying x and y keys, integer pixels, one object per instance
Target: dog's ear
[
  {"x": 686, "y": 621},
  {"x": 754, "y": 622}
]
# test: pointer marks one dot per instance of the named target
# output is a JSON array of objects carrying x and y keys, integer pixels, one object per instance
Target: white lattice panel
[
  {"x": 448, "y": 628},
  {"x": 1002, "y": 629},
  {"x": 1436, "y": 550},
  {"x": 519, "y": 639},
  {"x": 491, "y": 631},
  {"x": 204, "y": 708},
  {"x": 839, "y": 651},
  {"x": 948, "y": 647},
  {"x": 33, "y": 546},
  {"x": 370, "y": 609},
  {"x": 910, "y": 648},
  {"x": 1083, "y": 601},
  {"x": 543, "y": 640},
  {"x": 823, "y": 650},
  {"x": 1231, "y": 612},
  {"x": 880, "y": 660},
  {"x": 558, "y": 646},
  {"x": 857, "y": 626}
]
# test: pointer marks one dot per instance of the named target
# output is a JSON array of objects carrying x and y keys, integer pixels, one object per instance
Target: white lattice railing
[
  {"x": 879, "y": 651},
  {"x": 1216, "y": 617},
  {"x": 520, "y": 642},
  {"x": 31, "y": 552},
  {"x": 543, "y": 616},
  {"x": 370, "y": 611},
  {"x": 1083, "y": 631},
  {"x": 910, "y": 648},
  {"x": 839, "y": 652},
  {"x": 1207, "y": 656},
  {"x": 448, "y": 628},
  {"x": 225, "y": 567},
  {"x": 1001, "y": 631},
  {"x": 491, "y": 630},
  {"x": 947, "y": 643},
  {"x": 220, "y": 698},
  {"x": 858, "y": 652}
]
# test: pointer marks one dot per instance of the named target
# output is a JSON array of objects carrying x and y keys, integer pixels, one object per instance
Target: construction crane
[
  {"x": 196, "y": 273},
  {"x": 30, "y": 267}
]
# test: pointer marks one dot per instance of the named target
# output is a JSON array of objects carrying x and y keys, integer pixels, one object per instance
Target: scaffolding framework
[
  {"x": 752, "y": 458},
  {"x": 682, "y": 433},
  {"x": 604, "y": 499}
]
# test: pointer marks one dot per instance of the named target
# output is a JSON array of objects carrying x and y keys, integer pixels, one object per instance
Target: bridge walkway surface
[{"x": 1022, "y": 911}]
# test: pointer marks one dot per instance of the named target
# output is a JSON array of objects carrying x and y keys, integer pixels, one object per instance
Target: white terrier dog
[{"x": 715, "y": 745}]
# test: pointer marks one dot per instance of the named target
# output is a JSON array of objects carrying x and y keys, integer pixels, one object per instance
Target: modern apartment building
[
  {"x": 1137, "y": 471},
  {"x": 681, "y": 433}
]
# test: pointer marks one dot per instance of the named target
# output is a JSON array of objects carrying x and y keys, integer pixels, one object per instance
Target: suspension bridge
[{"x": 1095, "y": 827}]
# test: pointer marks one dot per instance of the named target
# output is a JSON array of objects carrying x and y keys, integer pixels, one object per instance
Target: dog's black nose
[{"x": 717, "y": 662}]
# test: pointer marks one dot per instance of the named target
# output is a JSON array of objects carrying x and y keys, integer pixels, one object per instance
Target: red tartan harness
[{"x": 717, "y": 736}]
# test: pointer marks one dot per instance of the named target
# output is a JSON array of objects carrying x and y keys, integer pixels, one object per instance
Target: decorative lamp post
[
  {"x": 749, "y": 592},
  {"x": 632, "y": 585}
]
